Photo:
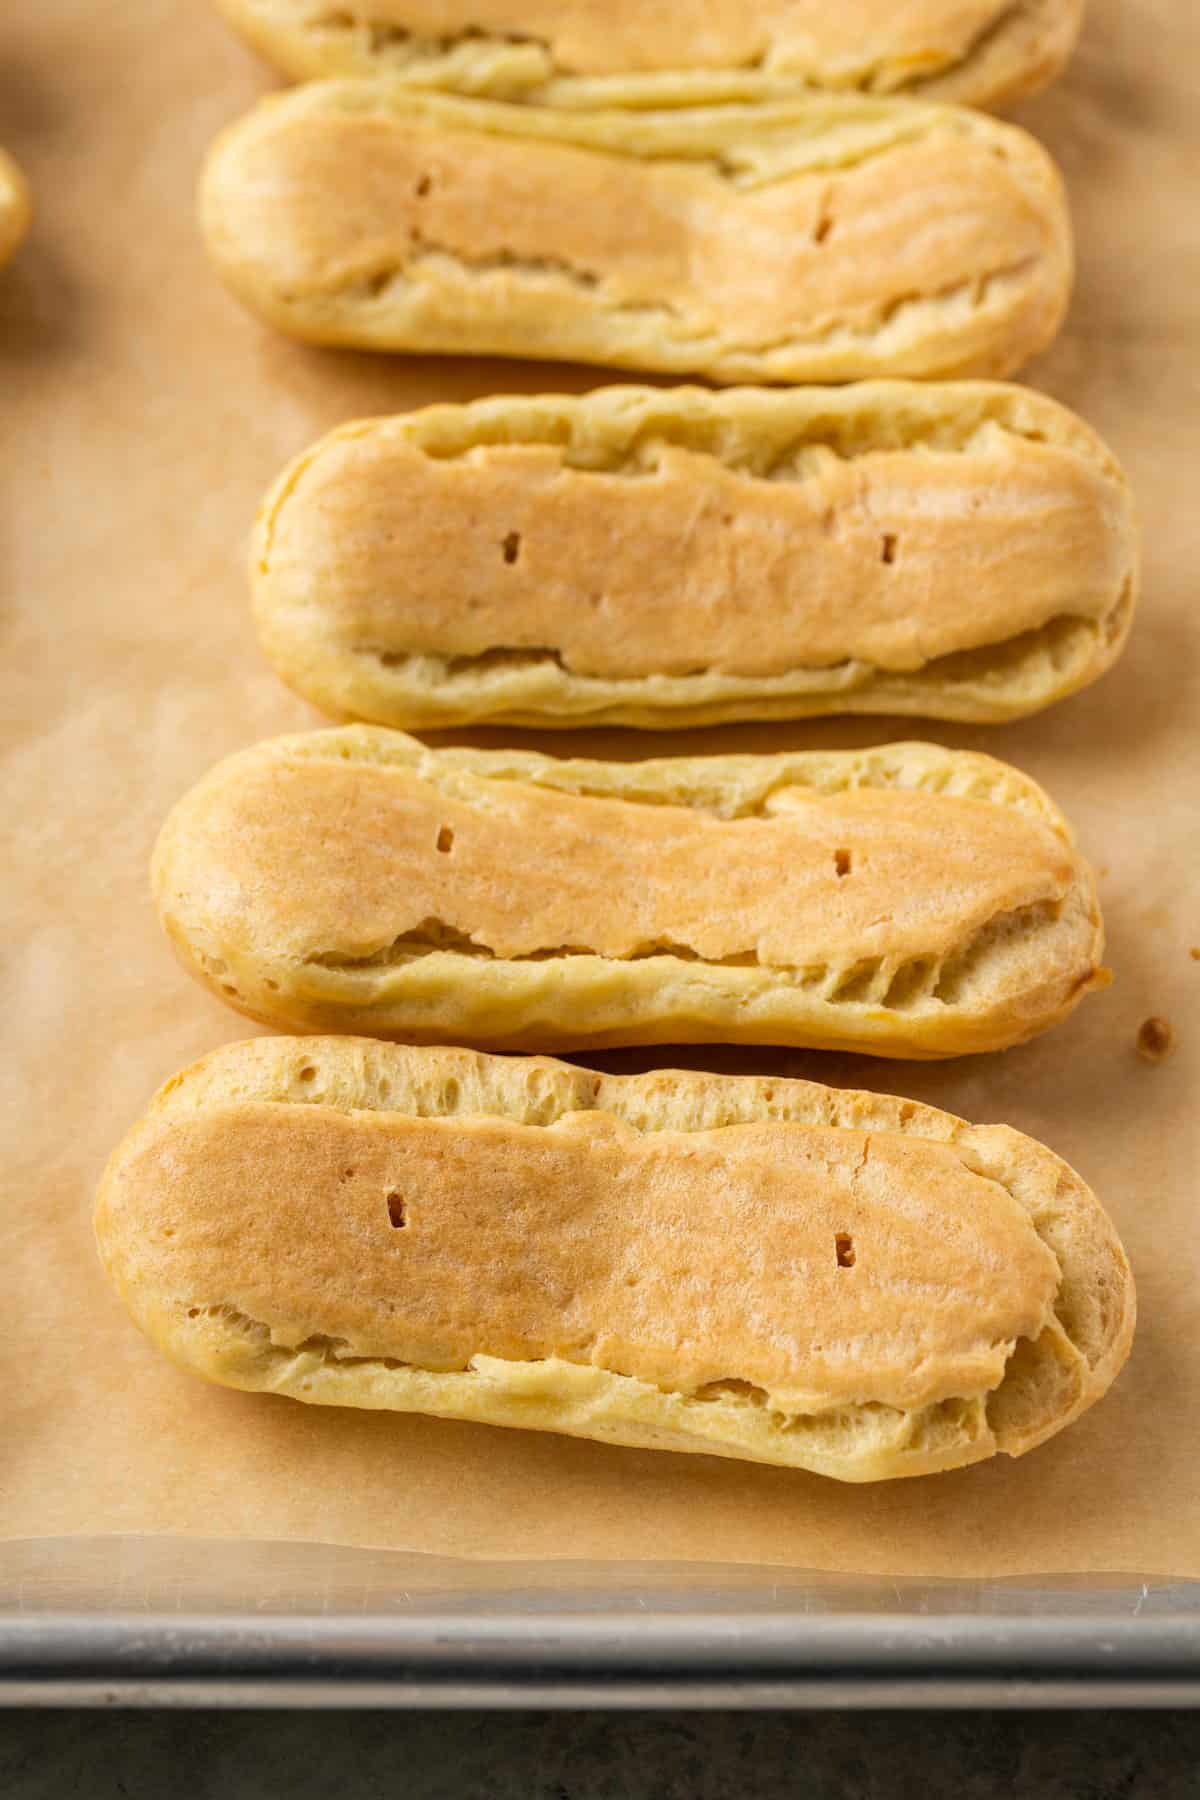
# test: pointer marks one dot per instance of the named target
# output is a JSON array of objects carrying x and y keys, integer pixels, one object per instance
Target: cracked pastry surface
[
  {"x": 807, "y": 240},
  {"x": 623, "y": 52},
  {"x": 902, "y": 901},
  {"x": 962, "y": 550},
  {"x": 757, "y": 1268}
]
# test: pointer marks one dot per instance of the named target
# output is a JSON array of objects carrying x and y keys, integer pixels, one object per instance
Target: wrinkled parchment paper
[{"x": 141, "y": 415}]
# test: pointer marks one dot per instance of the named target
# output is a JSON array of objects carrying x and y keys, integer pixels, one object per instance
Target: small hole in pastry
[
  {"x": 1155, "y": 1039},
  {"x": 841, "y": 863},
  {"x": 445, "y": 840},
  {"x": 307, "y": 1073},
  {"x": 347, "y": 1174},
  {"x": 822, "y": 229},
  {"x": 512, "y": 546},
  {"x": 888, "y": 548},
  {"x": 423, "y": 186},
  {"x": 228, "y": 988},
  {"x": 845, "y": 1250},
  {"x": 397, "y": 1212}
]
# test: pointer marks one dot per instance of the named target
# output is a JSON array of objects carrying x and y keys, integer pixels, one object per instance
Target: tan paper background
[{"x": 142, "y": 414}]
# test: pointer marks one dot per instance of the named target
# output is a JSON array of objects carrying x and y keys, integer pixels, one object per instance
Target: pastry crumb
[
  {"x": 1155, "y": 1039},
  {"x": 1194, "y": 952}
]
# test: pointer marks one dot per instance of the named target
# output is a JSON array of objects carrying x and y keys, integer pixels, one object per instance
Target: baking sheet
[{"x": 142, "y": 414}]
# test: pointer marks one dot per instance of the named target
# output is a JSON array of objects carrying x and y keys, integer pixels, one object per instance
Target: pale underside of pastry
[
  {"x": 764, "y": 1269},
  {"x": 901, "y": 901},
  {"x": 674, "y": 557},
  {"x": 15, "y": 207},
  {"x": 820, "y": 239},
  {"x": 628, "y": 53}
]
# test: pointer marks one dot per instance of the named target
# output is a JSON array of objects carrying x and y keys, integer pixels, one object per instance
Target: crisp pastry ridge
[
  {"x": 905, "y": 900},
  {"x": 284, "y": 1114},
  {"x": 891, "y": 238},
  {"x": 982, "y": 54},
  {"x": 963, "y": 550}
]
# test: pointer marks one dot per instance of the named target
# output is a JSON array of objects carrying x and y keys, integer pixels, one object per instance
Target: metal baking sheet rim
[{"x": 133, "y": 1621}]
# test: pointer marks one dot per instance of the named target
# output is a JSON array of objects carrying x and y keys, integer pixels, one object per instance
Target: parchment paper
[{"x": 142, "y": 414}]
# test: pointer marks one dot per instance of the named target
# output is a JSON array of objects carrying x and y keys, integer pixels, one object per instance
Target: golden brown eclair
[
  {"x": 756, "y": 1268},
  {"x": 809, "y": 240},
  {"x": 629, "y": 53},
  {"x": 667, "y": 557},
  {"x": 900, "y": 901},
  {"x": 15, "y": 206}
]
